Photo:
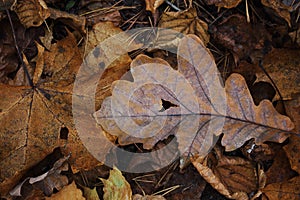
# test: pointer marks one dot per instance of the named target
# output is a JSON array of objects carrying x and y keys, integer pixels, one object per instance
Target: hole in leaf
[
  {"x": 166, "y": 105},
  {"x": 64, "y": 133}
]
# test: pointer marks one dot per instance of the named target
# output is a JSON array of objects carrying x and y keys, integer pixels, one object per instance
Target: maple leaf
[
  {"x": 36, "y": 118},
  {"x": 203, "y": 108}
]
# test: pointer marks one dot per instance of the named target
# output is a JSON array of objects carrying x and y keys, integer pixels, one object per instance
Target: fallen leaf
[
  {"x": 68, "y": 192},
  {"x": 223, "y": 3},
  {"x": 282, "y": 65},
  {"x": 90, "y": 194},
  {"x": 48, "y": 181},
  {"x": 280, "y": 8},
  {"x": 233, "y": 177},
  {"x": 242, "y": 38},
  {"x": 32, "y": 13},
  {"x": 185, "y": 22},
  {"x": 135, "y": 112},
  {"x": 280, "y": 166},
  {"x": 34, "y": 118},
  {"x": 285, "y": 190},
  {"x": 96, "y": 56},
  {"x": 116, "y": 186},
  {"x": 74, "y": 21},
  {"x": 292, "y": 150},
  {"x": 152, "y": 5},
  {"x": 9, "y": 60}
]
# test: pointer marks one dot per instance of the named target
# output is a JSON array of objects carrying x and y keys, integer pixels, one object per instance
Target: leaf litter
[{"x": 168, "y": 104}]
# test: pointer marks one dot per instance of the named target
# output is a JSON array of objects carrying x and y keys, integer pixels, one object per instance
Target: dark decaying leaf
[
  {"x": 204, "y": 109},
  {"x": 242, "y": 38},
  {"x": 234, "y": 177},
  {"x": 68, "y": 192},
  {"x": 52, "y": 179},
  {"x": 280, "y": 8}
]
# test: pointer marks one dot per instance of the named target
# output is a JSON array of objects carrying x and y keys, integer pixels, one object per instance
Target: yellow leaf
[{"x": 116, "y": 186}]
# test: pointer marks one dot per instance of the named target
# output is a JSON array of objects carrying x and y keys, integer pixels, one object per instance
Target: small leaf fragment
[
  {"x": 68, "y": 192},
  {"x": 116, "y": 186},
  {"x": 90, "y": 194},
  {"x": 32, "y": 13}
]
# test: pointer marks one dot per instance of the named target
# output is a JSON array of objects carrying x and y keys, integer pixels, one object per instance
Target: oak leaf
[{"x": 199, "y": 110}]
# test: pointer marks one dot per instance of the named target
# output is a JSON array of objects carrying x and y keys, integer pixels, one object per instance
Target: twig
[
  {"x": 17, "y": 48},
  {"x": 173, "y": 6},
  {"x": 273, "y": 83}
]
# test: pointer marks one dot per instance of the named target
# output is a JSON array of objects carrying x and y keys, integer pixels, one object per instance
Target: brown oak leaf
[{"x": 189, "y": 103}]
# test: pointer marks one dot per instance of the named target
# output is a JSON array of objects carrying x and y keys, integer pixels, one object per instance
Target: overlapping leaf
[
  {"x": 199, "y": 108},
  {"x": 34, "y": 118}
]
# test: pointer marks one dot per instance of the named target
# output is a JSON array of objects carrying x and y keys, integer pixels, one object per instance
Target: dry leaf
[
  {"x": 116, "y": 186},
  {"x": 33, "y": 117},
  {"x": 138, "y": 115},
  {"x": 233, "y": 177},
  {"x": 280, "y": 166},
  {"x": 32, "y": 13},
  {"x": 292, "y": 149},
  {"x": 74, "y": 21},
  {"x": 8, "y": 58},
  {"x": 216, "y": 181},
  {"x": 280, "y": 8},
  {"x": 90, "y": 194},
  {"x": 185, "y": 22},
  {"x": 283, "y": 67},
  {"x": 152, "y": 5},
  {"x": 242, "y": 38},
  {"x": 223, "y": 3},
  {"x": 68, "y": 192},
  {"x": 96, "y": 56},
  {"x": 286, "y": 190},
  {"x": 48, "y": 181}
]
